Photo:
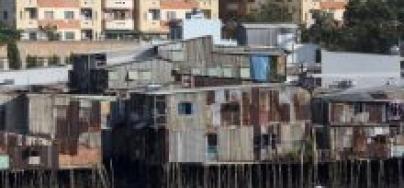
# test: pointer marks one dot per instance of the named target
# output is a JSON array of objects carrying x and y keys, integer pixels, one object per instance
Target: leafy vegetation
[
  {"x": 270, "y": 12},
  {"x": 369, "y": 26},
  {"x": 9, "y": 37}
]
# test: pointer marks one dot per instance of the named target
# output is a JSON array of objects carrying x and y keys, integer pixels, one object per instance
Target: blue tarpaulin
[{"x": 259, "y": 66}]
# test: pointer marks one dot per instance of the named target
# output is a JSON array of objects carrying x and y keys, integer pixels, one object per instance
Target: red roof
[
  {"x": 178, "y": 4},
  {"x": 59, "y": 3},
  {"x": 332, "y": 5},
  {"x": 61, "y": 24}
]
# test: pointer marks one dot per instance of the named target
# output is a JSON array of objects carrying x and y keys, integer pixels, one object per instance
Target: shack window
[
  {"x": 145, "y": 75},
  {"x": 112, "y": 75},
  {"x": 265, "y": 140},
  {"x": 358, "y": 108},
  {"x": 132, "y": 75},
  {"x": 212, "y": 140},
  {"x": 185, "y": 108},
  {"x": 212, "y": 146}
]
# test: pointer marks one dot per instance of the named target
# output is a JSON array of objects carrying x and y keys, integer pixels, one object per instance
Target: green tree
[
  {"x": 326, "y": 31},
  {"x": 13, "y": 55},
  {"x": 270, "y": 12},
  {"x": 10, "y": 37},
  {"x": 369, "y": 26}
]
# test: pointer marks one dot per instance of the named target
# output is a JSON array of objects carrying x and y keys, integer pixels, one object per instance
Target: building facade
[
  {"x": 154, "y": 16},
  {"x": 118, "y": 18},
  {"x": 4, "y": 64},
  {"x": 74, "y": 20},
  {"x": 54, "y": 20}
]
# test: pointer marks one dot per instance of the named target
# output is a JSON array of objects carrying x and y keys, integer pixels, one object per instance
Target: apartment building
[
  {"x": 97, "y": 19},
  {"x": 53, "y": 19},
  {"x": 154, "y": 16},
  {"x": 118, "y": 20}
]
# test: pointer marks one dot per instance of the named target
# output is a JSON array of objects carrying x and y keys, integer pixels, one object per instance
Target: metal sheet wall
[{"x": 236, "y": 144}]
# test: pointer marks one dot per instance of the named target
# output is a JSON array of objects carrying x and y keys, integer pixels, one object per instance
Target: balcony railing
[
  {"x": 119, "y": 24},
  {"x": 118, "y": 4}
]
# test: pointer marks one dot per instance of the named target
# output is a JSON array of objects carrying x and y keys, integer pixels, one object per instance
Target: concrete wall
[{"x": 3, "y": 58}]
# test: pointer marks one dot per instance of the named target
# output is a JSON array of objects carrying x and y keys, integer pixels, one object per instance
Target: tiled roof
[
  {"x": 59, "y": 3},
  {"x": 61, "y": 24},
  {"x": 332, "y": 5},
  {"x": 178, "y": 4}
]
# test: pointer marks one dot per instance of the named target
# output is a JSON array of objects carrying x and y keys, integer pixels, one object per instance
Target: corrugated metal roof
[
  {"x": 169, "y": 91},
  {"x": 269, "y": 25},
  {"x": 375, "y": 94}
]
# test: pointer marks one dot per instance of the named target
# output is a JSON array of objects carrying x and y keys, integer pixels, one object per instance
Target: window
[
  {"x": 32, "y": 36},
  {"x": 402, "y": 69},
  {"x": 49, "y": 15},
  {"x": 154, "y": 14},
  {"x": 212, "y": 152},
  {"x": 69, "y": 15},
  {"x": 212, "y": 140},
  {"x": 5, "y": 15},
  {"x": 69, "y": 36},
  {"x": 358, "y": 108},
  {"x": 185, "y": 108},
  {"x": 171, "y": 15},
  {"x": 32, "y": 13},
  {"x": 132, "y": 75},
  {"x": 145, "y": 75},
  {"x": 112, "y": 75}
]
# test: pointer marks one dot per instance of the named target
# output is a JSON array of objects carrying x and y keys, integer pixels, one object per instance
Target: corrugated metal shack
[
  {"x": 244, "y": 123},
  {"x": 362, "y": 123},
  {"x": 92, "y": 74},
  {"x": 259, "y": 34},
  {"x": 198, "y": 59},
  {"x": 56, "y": 131}
]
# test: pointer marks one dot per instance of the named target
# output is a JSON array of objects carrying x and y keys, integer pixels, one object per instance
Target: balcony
[
  {"x": 29, "y": 3},
  {"x": 118, "y": 4},
  {"x": 119, "y": 24},
  {"x": 86, "y": 24},
  {"x": 86, "y": 3}
]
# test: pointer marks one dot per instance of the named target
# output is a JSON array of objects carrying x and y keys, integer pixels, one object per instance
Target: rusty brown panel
[
  {"x": 84, "y": 157},
  {"x": 375, "y": 113},
  {"x": 274, "y": 108},
  {"x": 336, "y": 112},
  {"x": 246, "y": 106},
  {"x": 302, "y": 108},
  {"x": 230, "y": 113},
  {"x": 210, "y": 97},
  {"x": 255, "y": 108},
  {"x": 95, "y": 116},
  {"x": 359, "y": 142},
  {"x": 285, "y": 112},
  {"x": 264, "y": 101}
]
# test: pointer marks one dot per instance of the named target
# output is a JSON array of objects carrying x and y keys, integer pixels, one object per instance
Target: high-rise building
[
  {"x": 97, "y": 19},
  {"x": 118, "y": 18},
  {"x": 153, "y": 16},
  {"x": 53, "y": 19}
]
